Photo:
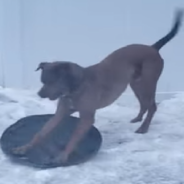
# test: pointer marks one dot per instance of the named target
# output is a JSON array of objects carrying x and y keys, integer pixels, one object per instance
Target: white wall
[
  {"x": 10, "y": 36},
  {"x": 83, "y": 31}
]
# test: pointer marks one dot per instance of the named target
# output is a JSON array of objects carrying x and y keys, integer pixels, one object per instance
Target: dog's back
[
  {"x": 113, "y": 74},
  {"x": 136, "y": 54}
]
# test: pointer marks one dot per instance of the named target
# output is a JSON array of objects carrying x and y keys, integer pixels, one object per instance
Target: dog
[{"x": 87, "y": 89}]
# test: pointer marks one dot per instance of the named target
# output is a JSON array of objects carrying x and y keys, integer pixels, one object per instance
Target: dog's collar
[
  {"x": 69, "y": 100},
  {"x": 64, "y": 96}
]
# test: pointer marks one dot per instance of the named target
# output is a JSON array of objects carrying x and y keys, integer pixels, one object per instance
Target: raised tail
[{"x": 177, "y": 24}]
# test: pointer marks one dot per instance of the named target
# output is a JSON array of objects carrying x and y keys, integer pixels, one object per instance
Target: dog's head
[{"x": 59, "y": 78}]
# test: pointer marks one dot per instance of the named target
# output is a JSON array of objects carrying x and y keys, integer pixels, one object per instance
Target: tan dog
[{"x": 88, "y": 89}]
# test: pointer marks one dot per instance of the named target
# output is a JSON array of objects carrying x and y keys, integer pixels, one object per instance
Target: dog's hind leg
[
  {"x": 146, "y": 88},
  {"x": 136, "y": 87},
  {"x": 147, "y": 104}
]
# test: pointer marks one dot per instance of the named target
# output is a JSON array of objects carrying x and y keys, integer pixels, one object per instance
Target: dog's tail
[{"x": 177, "y": 24}]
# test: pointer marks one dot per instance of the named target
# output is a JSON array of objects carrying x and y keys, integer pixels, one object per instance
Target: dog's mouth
[{"x": 53, "y": 97}]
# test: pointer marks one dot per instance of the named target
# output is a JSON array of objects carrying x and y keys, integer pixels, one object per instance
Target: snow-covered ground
[{"x": 125, "y": 157}]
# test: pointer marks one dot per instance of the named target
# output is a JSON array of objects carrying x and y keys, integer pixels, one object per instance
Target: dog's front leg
[
  {"x": 61, "y": 111},
  {"x": 86, "y": 121}
]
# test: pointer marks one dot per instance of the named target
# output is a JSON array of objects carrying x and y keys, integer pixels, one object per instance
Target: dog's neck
[
  {"x": 70, "y": 96},
  {"x": 86, "y": 76}
]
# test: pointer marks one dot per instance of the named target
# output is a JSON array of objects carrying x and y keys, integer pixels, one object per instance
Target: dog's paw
[
  {"x": 141, "y": 130},
  {"x": 135, "y": 120},
  {"x": 20, "y": 150},
  {"x": 61, "y": 158}
]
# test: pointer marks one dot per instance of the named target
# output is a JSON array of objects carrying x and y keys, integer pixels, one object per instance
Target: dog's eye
[{"x": 48, "y": 79}]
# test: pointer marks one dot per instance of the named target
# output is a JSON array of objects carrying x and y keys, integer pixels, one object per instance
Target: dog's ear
[{"x": 41, "y": 66}]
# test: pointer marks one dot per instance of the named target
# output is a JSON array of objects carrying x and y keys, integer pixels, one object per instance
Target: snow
[{"x": 125, "y": 157}]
